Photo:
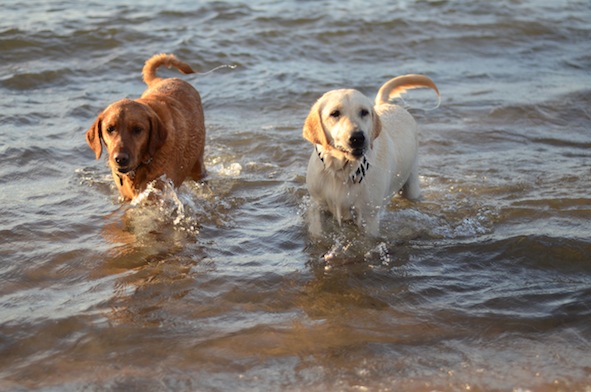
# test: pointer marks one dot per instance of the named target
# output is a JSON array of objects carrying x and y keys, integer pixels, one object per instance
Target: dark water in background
[{"x": 483, "y": 285}]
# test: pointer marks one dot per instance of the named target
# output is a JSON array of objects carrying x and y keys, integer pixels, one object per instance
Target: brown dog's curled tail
[
  {"x": 149, "y": 71},
  {"x": 395, "y": 87}
]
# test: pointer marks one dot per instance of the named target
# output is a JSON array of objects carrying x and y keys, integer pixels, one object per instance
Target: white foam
[
  {"x": 233, "y": 169},
  {"x": 160, "y": 202}
]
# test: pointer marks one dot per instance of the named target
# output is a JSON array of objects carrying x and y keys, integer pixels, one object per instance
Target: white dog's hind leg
[
  {"x": 372, "y": 226},
  {"x": 412, "y": 188}
]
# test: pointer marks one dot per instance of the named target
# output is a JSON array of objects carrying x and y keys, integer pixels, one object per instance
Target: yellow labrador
[{"x": 363, "y": 153}]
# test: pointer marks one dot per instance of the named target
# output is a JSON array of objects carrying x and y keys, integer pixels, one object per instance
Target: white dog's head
[{"x": 344, "y": 123}]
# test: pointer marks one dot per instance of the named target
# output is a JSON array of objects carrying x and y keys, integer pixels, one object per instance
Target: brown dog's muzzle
[{"x": 122, "y": 160}]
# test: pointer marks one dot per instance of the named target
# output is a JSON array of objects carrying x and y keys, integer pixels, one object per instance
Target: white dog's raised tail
[{"x": 394, "y": 87}]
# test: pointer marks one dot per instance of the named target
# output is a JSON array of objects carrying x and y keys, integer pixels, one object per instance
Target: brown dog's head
[
  {"x": 132, "y": 132},
  {"x": 343, "y": 120}
]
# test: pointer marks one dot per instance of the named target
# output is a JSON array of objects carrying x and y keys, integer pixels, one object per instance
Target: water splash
[
  {"x": 381, "y": 253},
  {"x": 231, "y": 66},
  {"x": 162, "y": 202}
]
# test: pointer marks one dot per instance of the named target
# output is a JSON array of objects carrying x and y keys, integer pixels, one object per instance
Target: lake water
[{"x": 484, "y": 284}]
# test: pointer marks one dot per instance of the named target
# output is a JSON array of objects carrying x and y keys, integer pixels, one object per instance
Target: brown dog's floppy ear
[
  {"x": 377, "y": 124},
  {"x": 313, "y": 128},
  {"x": 158, "y": 134},
  {"x": 93, "y": 137}
]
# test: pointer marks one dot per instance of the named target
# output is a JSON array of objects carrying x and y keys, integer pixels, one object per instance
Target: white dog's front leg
[
  {"x": 314, "y": 220},
  {"x": 369, "y": 221}
]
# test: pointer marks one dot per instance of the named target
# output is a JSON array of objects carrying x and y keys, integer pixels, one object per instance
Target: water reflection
[{"x": 155, "y": 253}]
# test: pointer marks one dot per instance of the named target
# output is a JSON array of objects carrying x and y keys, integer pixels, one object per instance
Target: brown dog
[{"x": 161, "y": 133}]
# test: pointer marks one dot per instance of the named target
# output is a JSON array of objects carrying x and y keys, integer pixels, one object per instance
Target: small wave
[
  {"x": 93, "y": 178},
  {"x": 472, "y": 226},
  {"x": 35, "y": 80}
]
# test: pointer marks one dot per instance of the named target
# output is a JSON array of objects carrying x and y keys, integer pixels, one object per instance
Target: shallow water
[{"x": 485, "y": 284}]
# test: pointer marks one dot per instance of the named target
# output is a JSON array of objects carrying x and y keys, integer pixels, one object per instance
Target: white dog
[{"x": 363, "y": 154}]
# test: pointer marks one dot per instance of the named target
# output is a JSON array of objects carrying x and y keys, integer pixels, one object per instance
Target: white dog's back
[{"x": 396, "y": 150}]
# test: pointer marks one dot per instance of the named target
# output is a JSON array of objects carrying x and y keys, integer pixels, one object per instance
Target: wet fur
[
  {"x": 390, "y": 147},
  {"x": 161, "y": 133}
]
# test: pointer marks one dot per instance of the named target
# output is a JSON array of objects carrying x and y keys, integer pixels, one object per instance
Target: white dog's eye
[
  {"x": 363, "y": 113},
  {"x": 335, "y": 113}
]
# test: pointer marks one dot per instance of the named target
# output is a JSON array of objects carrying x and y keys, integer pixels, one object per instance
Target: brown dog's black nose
[
  {"x": 357, "y": 140},
  {"x": 122, "y": 159}
]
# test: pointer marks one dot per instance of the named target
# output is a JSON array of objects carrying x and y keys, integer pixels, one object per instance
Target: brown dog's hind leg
[{"x": 198, "y": 171}]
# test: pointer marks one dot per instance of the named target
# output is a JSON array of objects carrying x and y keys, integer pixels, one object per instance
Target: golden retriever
[
  {"x": 161, "y": 133},
  {"x": 363, "y": 153}
]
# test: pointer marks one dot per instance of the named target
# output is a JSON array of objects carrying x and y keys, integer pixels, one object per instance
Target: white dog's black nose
[{"x": 357, "y": 140}]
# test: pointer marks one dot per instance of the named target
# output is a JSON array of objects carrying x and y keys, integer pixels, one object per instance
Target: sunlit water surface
[{"x": 484, "y": 284}]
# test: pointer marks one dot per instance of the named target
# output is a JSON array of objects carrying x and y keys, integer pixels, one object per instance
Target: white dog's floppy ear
[
  {"x": 377, "y": 125},
  {"x": 313, "y": 128}
]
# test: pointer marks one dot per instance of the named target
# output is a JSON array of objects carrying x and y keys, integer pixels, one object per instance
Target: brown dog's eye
[
  {"x": 136, "y": 130},
  {"x": 335, "y": 113},
  {"x": 363, "y": 112}
]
